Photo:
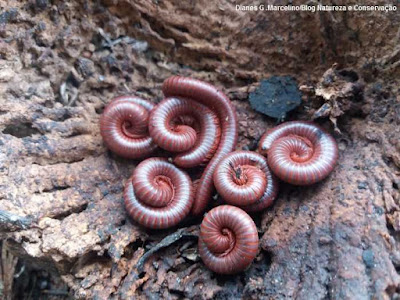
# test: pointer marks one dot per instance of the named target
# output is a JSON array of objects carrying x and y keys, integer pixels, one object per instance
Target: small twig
[
  {"x": 165, "y": 242},
  {"x": 134, "y": 274},
  {"x": 105, "y": 37},
  {"x": 126, "y": 87}
]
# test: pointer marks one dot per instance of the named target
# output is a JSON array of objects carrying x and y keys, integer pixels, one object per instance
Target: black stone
[{"x": 276, "y": 96}]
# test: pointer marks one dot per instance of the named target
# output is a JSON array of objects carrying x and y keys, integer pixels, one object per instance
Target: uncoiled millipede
[
  {"x": 217, "y": 101},
  {"x": 243, "y": 179},
  {"x": 228, "y": 241},
  {"x": 299, "y": 152},
  {"x": 124, "y": 127},
  {"x": 188, "y": 127},
  {"x": 158, "y": 194}
]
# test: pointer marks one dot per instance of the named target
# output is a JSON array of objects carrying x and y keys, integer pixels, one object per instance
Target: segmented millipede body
[
  {"x": 158, "y": 194},
  {"x": 124, "y": 127},
  {"x": 214, "y": 99},
  {"x": 228, "y": 240},
  {"x": 186, "y": 126},
  {"x": 243, "y": 179},
  {"x": 299, "y": 152}
]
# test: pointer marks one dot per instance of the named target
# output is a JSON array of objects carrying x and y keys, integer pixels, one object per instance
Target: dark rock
[{"x": 276, "y": 96}]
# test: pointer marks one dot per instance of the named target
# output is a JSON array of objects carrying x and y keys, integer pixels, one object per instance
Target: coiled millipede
[
  {"x": 214, "y": 99},
  {"x": 298, "y": 152},
  {"x": 243, "y": 179},
  {"x": 124, "y": 127},
  {"x": 158, "y": 195},
  {"x": 198, "y": 124},
  {"x": 228, "y": 241},
  {"x": 187, "y": 127}
]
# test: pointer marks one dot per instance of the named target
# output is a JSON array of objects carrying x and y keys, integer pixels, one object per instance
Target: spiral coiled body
[
  {"x": 228, "y": 241},
  {"x": 124, "y": 127},
  {"x": 182, "y": 125},
  {"x": 214, "y": 99},
  {"x": 299, "y": 153},
  {"x": 158, "y": 195},
  {"x": 243, "y": 179}
]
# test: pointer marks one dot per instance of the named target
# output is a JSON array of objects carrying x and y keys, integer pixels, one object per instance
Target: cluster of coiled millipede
[{"x": 198, "y": 124}]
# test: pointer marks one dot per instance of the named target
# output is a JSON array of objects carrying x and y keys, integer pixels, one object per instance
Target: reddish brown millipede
[
  {"x": 198, "y": 124},
  {"x": 228, "y": 240},
  {"x": 124, "y": 127},
  {"x": 158, "y": 195},
  {"x": 211, "y": 97},
  {"x": 299, "y": 152},
  {"x": 243, "y": 179},
  {"x": 185, "y": 126}
]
